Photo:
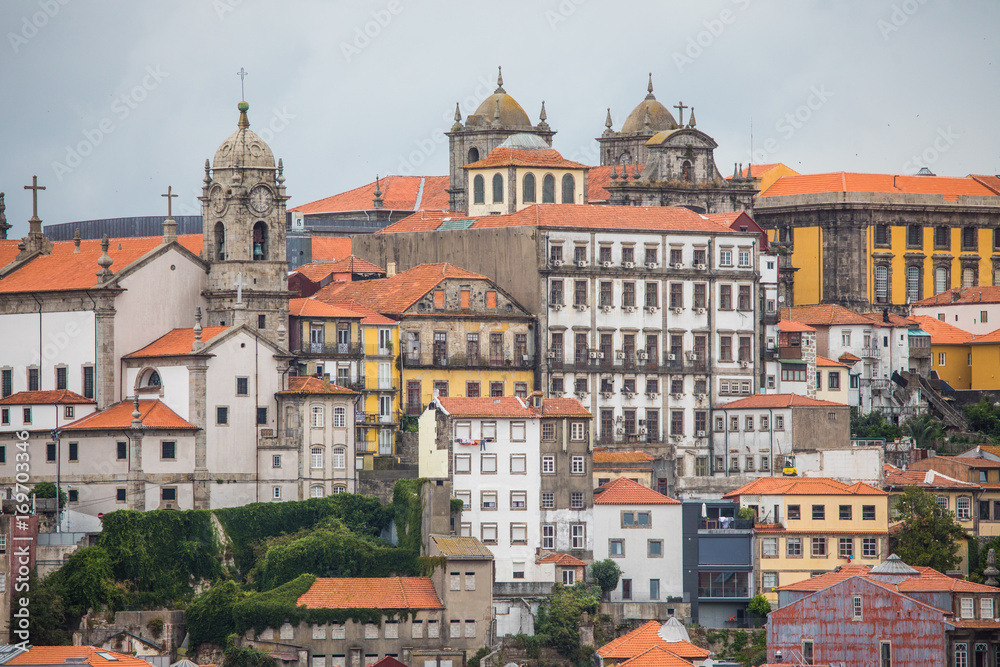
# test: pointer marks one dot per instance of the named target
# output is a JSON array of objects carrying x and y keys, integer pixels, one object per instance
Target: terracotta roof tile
[
  {"x": 841, "y": 181},
  {"x": 525, "y": 157},
  {"x": 371, "y": 593},
  {"x": 154, "y": 414},
  {"x": 509, "y": 406},
  {"x": 942, "y": 333},
  {"x": 791, "y": 325},
  {"x": 657, "y": 656},
  {"x": 568, "y": 560},
  {"x": 972, "y": 461},
  {"x": 564, "y": 407},
  {"x": 834, "y": 314},
  {"x": 825, "y": 363},
  {"x": 394, "y": 295},
  {"x": 655, "y": 218},
  {"x": 623, "y": 491},
  {"x": 991, "y": 337},
  {"x": 399, "y": 193},
  {"x": 989, "y": 180},
  {"x": 177, "y": 342},
  {"x": 598, "y": 179},
  {"x": 777, "y": 401},
  {"x": 8, "y": 251},
  {"x": 310, "y": 307},
  {"x": 461, "y": 547},
  {"x": 306, "y": 384},
  {"x": 330, "y": 248},
  {"x": 45, "y": 397},
  {"x": 389, "y": 661},
  {"x": 370, "y": 316},
  {"x": 645, "y": 637},
  {"x": 962, "y": 295},
  {"x": 756, "y": 170},
  {"x": 927, "y": 479},
  {"x": 602, "y": 455},
  {"x": 423, "y": 221},
  {"x": 803, "y": 486},
  {"x": 60, "y": 655}
]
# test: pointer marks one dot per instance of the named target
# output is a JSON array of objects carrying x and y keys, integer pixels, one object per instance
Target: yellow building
[
  {"x": 875, "y": 240},
  {"x": 978, "y": 513},
  {"x": 833, "y": 380},
  {"x": 807, "y": 525},
  {"x": 986, "y": 361},
  {"x": 952, "y": 354},
  {"x": 609, "y": 465},
  {"x": 520, "y": 172},
  {"x": 461, "y": 334}
]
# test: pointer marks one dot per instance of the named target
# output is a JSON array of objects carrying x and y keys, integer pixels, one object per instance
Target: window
[
  {"x": 120, "y": 495},
  {"x": 578, "y": 431},
  {"x": 339, "y": 417},
  {"x": 556, "y": 292},
  {"x": 497, "y": 189},
  {"x": 652, "y": 295},
  {"x": 867, "y": 512},
  {"x": 769, "y": 580},
  {"x": 941, "y": 358},
  {"x": 261, "y": 416},
  {"x": 122, "y": 450},
  {"x": 725, "y": 297},
  {"x": 616, "y": 548},
  {"x": 818, "y": 547},
  {"x": 881, "y": 284},
  {"x": 316, "y": 458},
  {"x": 940, "y": 279},
  {"x": 518, "y": 500},
  {"x": 961, "y": 655},
  {"x": 548, "y": 465},
  {"x": 568, "y": 577},
  {"x": 472, "y": 389},
  {"x": 478, "y": 190},
  {"x": 61, "y": 377},
  {"x": 316, "y": 491},
  {"x": 846, "y": 547},
  {"x": 793, "y": 547},
  {"x": 818, "y": 512},
  {"x": 744, "y": 259},
  {"x": 857, "y": 608},
  {"x": 779, "y": 423},
  {"x": 576, "y": 500},
  {"x": 488, "y": 533},
  {"x": 942, "y": 238},
  {"x": 548, "y": 536},
  {"x": 518, "y": 464},
  {"x": 578, "y": 466},
  {"x": 845, "y": 512},
  {"x": 434, "y": 627},
  {"x": 725, "y": 348},
  {"x": 580, "y": 292},
  {"x": 969, "y": 238},
  {"x": 549, "y": 189},
  {"x": 168, "y": 450},
  {"x": 986, "y": 608},
  {"x": 521, "y": 390},
  {"x": 914, "y": 236},
  {"x": 725, "y": 258},
  {"x": 628, "y": 294},
  {"x": 463, "y": 464},
  {"x": 568, "y": 189},
  {"x": 74, "y": 451},
  {"x": 7, "y": 382},
  {"x": 548, "y": 500},
  {"x": 743, "y": 298},
  {"x": 626, "y": 589},
  {"x": 869, "y": 547},
  {"x": 654, "y": 589},
  {"x": 488, "y": 500},
  {"x": 578, "y": 536},
  {"x": 968, "y": 607},
  {"x": 88, "y": 381},
  {"x": 963, "y": 508},
  {"x": 518, "y": 533},
  {"x": 676, "y": 295},
  {"x": 496, "y": 389},
  {"x": 488, "y": 464},
  {"x": 528, "y": 189},
  {"x": 794, "y": 512},
  {"x": 518, "y": 572},
  {"x": 168, "y": 493},
  {"x": 882, "y": 235},
  {"x": 33, "y": 379},
  {"x": 769, "y": 547}
]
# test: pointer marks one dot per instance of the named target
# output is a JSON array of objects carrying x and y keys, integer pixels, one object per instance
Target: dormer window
[{"x": 149, "y": 381}]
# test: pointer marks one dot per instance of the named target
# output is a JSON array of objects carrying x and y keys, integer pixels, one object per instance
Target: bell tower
[{"x": 243, "y": 213}]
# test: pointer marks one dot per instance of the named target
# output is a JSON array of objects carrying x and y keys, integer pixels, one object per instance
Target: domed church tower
[
  {"x": 498, "y": 117},
  {"x": 629, "y": 145},
  {"x": 243, "y": 214}
]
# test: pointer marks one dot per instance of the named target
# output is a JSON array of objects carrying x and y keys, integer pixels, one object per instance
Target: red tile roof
[
  {"x": 790, "y": 325},
  {"x": 510, "y": 406},
  {"x": 388, "y": 661},
  {"x": 65, "y": 270},
  {"x": 756, "y": 170},
  {"x": 623, "y": 491},
  {"x": 803, "y": 486},
  {"x": 370, "y": 316},
  {"x": 991, "y": 181},
  {"x": 154, "y": 414},
  {"x": 45, "y": 397},
  {"x": 971, "y": 461},
  {"x": 312, "y": 308},
  {"x": 833, "y": 314},
  {"x": 564, "y": 407},
  {"x": 567, "y": 560},
  {"x": 603, "y": 455},
  {"x": 777, "y": 401},
  {"x": 644, "y": 638},
  {"x": 578, "y": 216},
  {"x": 86, "y": 655},
  {"x": 962, "y": 295},
  {"x": 525, "y": 157},
  {"x": 302, "y": 384},
  {"x": 177, "y": 342},
  {"x": 598, "y": 179},
  {"x": 991, "y": 337},
  {"x": 399, "y": 193},
  {"x": 942, "y": 333},
  {"x": 394, "y": 295},
  {"x": 927, "y": 479},
  {"x": 330, "y": 248},
  {"x": 371, "y": 593},
  {"x": 841, "y": 181},
  {"x": 657, "y": 656},
  {"x": 8, "y": 251},
  {"x": 826, "y": 363}
]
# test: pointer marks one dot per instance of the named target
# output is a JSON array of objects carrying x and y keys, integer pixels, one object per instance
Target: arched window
[
  {"x": 220, "y": 241},
  {"x": 478, "y": 190},
  {"x": 549, "y": 189},
  {"x": 316, "y": 491},
  {"x": 497, "y": 189},
  {"x": 528, "y": 189},
  {"x": 316, "y": 461},
  {"x": 940, "y": 279},
  {"x": 339, "y": 489},
  {"x": 339, "y": 457},
  {"x": 568, "y": 189},
  {"x": 968, "y": 277},
  {"x": 473, "y": 155},
  {"x": 881, "y": 284},
  {"x": 260, "y": 241},
  {"x": 339, "y": 417},
  {"x": 316, "y": 416},
  {"x": 149, "y": 379},
  {"x": 686, "y": 175},
  {"x": 912, "y": 284}
]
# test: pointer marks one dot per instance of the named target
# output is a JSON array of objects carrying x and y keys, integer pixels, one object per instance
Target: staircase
[{"x": 949, "y": 415}]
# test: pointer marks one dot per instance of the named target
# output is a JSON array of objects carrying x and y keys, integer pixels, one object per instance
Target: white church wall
[{"x": 46, "y": 341}]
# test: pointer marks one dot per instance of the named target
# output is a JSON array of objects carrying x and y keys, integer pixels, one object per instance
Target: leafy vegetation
[
  {"x": 926, "y": 430},
  {"x": 929, "y": 535},
  {"x": 245, "y": 656},
  {"x": 606, "y": 573},
  {"x": 984, "y": 417},
  {"x": 48, "y": 490},
  {"x": 559, "y": 617},
  {"x": 872, "y": 425},
  {"x": 759, "y": 606}
]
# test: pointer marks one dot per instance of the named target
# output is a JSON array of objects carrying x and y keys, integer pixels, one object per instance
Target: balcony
[
  {"x": 371, "y": 419},
  {"x": 372, "y": 384},
  {"x": 770, "y": 318},
  {"x": 726, "y": 523},
  {"x": 335, "y": 350},
  {"x": 609, "y": 363},
  {"x": 290, "y": 438},
  {"x": 870, "y": 353},
  {"x": 632, "y": 440},
  {"x": 462, "y": 361},
  {"x": 686, "y": 365},
  {"x": 790, "y": 352}
]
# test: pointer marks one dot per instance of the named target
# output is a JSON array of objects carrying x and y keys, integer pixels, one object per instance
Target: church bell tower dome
[
  {"x": 244, "y": 147},
  {"x": 650, "y": 111}
]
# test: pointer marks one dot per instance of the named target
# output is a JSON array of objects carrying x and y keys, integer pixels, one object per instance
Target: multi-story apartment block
[
  {"x": 522, "y": 470},
  {"x": 812, "y": 524}
]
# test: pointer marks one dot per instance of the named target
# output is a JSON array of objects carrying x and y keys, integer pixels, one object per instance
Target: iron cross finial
[
  {"x": 169, "y": 197},
  {"x": 34, "y": 187},
  {"x": 242, "y": 74},
  {"x": 680, "y": 106}
]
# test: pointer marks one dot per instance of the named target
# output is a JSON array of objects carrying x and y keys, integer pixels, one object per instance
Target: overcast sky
[{"x": 111, "y": 101}]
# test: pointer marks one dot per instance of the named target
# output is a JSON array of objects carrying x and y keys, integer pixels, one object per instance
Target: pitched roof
[
  {"x": 45, "y": 397},
  {"x": 791, "y": 325},
  {"x": 567, "y": 560},
  {"x": 461, "y": 547},
  {"x": 65, "y": 269},
  {"x": 154, "y": 414},
  {"x": 925, "y": 580},
  {"x": 971, "y": 461},
  {"x": 177, "y": 342},
  {"x": 942, "y": 333},
  {"x": 656, "y": 656},
  {"x": 962, "y": 295},
  {"x": 834, "y": 314},
  {"x": 510, "y": 407},
  {"x": 88, "y": 655},
  {"x": 586, "y": 216},
  {"x": 991, "y": 337},
  {"x": 397, "y": 293},
  {"x": 604, "y": 455},
  {"x": 310, "y": 307},
  {"x": 777, "y": 401},
  {"x": 330, "y": 247},
  {"x": 826, "y": 363},
  {"x": 645, "y": 637},
  {"x": 564, "y": 407},
  {"x": 371, "y": 593},
  {"x": 388, "y": 661},
  {"x": 803, "y": 486},
  {"x": 598, "y": 179},
  {"x": 306, "y": 384},
  {"x": 991, "y": 181},
  {"x": 623, "y": 491},
  {"x": 841, "y": 181},
  {"x": 503, "y": 156},
  {"x": 927, "y": 479},
  {"x": 399, "y": 193}
]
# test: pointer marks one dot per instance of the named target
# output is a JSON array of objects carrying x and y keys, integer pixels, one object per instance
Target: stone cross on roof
[{"x": 680, "y": 106}]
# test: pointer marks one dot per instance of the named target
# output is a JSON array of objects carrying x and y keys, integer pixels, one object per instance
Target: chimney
[{"x": 390, "y": 269}]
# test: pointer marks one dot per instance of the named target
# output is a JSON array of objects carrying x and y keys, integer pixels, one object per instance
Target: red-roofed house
[
  {"x": 631, "y": 521},
  {"x": 308, "y": 279},
  {"x": 972, "y": 309},
  {"x": 634, "y": 464},
  {"x": 670, "y": 636},
  {"x": 94, "y": 656}
]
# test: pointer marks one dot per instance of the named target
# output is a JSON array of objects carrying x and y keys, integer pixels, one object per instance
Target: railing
[
  {"x": 870, "y": 353},
  {"x": 332, "y": 349},
  {"x": 469, "y": 361},
  {"x": 374, "y": 418},
  {"x": 373, "y": 384},
  {"x": 612, "y": 365},
  {"x": 377, "y": 351},
  {"x": 770, "y": 318},
  {"x": 633, "y": 439},
  {"x": 724, "y": 592},
  {"x": 726, "y": 523}
]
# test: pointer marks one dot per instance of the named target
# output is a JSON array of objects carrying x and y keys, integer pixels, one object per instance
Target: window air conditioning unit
[
  {"x": 701, "y": 434},
  {"x": 630, "y": 395},
  {"x": 699, "y": 267},
  {"x": 619, "y": 354},
  {"x": 581, "y": 307},
  {"x": 651, "y": 309},
  {"x": 600, "y": 355},
  {"x": 701, "y": 311},
  {"x": 745, "y": 364},
  {"x": 677, "y": 397},
  {"x": 693, "y": 356},
  {"x": 629, "y": 265},
  {"x": 629, "y": 309},
  {"x": 557, "y": 263},
  {"x": 642, "y": 355},
  {"x": 550, "y": 355},
  {"x": 671, "y": 357},
  {"x": 620, "y": 431},
  {"x": 582, "y": 264},
  {"x": 606, "y": 265},
  {"x": 652, "y": 395},
  {"x": 581, "y": 395},
  {"x": 650, "y": 265},
  {"x": 678, "y": 310},
  {"x": 643, "y": 431},
  {"x": 607, "y": 309},
  {"x": 606, "y": 394},
  {"x": 678, "y": 266},
  {"x": 557, "y": 306},
  {"x": 593, "y": 355}
]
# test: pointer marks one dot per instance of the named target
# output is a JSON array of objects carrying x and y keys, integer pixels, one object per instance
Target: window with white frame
[
  {"x": 769, "y": 547},
  {"x": 578, "y": 465},
  {"x": 490, "y": 431},
  {"x": 548, "y": 500},
  {"x": 518, "y": 533},
  {"x": 316, "y": 416},
  {"x": 769, "y": 580},
  {"x": 725, "y": 258},
  {"x": 465, "y": 497},
  {"x": 463, "y": 464},
  {"x": 577, "y": 431},
  {"x": 963, "y": 508},
  {"x": 517, "y": 431},
  {"x": 489, "y": 500},
  {"x": 276, "y": 493},
  {"x": 315, "y": 491},
  {"x": 986, "y": 608},
  {"x": 339, "y": 457},
  {"x": 548, "y": 465},
  {"x": 548, "y": 536},
  {"x": 744, "y": 259},
  {"x": 340, "y": 417},
  {"x": 488, "y": 464},
  {"x": 316, "y": 458},
  {"x": 578, "y": 536},
  {"x": 488, "y": 533},
  {"x": 968, "y": 607},
  {"x": 519, "y": 500}
]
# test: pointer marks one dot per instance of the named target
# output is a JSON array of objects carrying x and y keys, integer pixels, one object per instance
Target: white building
[
  {"x": 639, "y": 529},
  {"x": 972, "y": 309},
  {"x": 522, "y": 470}
]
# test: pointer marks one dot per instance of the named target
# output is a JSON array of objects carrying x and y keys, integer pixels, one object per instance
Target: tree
[
  {"x": 872, "y": 425},
  {"x": 926, "y": 430},
  {"x": 759, "y": 606},
  {"x": 929, "y": 534},
  {"x": 559, "y": 617},
  {"x": 606, "y": 573},
  {"x": 984, "y": 417},
  {"x": 48, "y": 490}
]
